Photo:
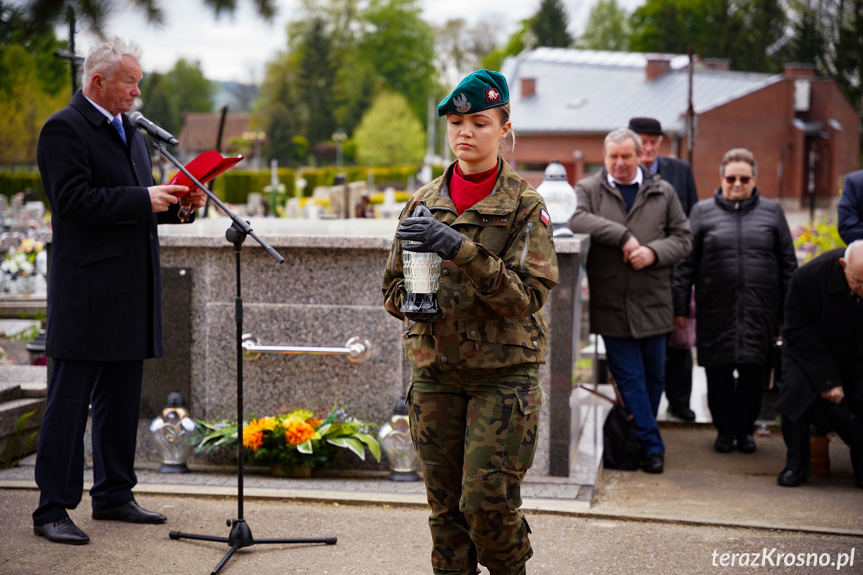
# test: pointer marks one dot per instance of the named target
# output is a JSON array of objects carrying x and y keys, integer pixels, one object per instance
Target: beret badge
[{"x": 461, "y": 103}]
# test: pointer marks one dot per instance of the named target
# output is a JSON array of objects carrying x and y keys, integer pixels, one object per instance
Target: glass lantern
[
  {"x": 173, "y": 433},
  {"x": 559, "y": 197},
  {"x": 395, "y": 439}
]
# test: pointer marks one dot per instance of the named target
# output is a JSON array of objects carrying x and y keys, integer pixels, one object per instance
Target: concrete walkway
[{"x": 704, "y": 503}]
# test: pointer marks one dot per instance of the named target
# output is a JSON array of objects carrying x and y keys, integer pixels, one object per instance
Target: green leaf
[
  {"x": 351, "y": 443},
  {"x": 372, "y": 443},
  {"x": 305, "y": 447},
  {"x": 22, "y": 422}
]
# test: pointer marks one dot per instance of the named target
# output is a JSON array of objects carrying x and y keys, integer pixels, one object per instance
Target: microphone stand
[{"x": 240, "y": 535}]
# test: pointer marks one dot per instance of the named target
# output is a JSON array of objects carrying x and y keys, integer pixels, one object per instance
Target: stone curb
[{"x": 535, "y": 505}]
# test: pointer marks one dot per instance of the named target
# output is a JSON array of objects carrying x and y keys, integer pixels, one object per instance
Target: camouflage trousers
[{"x": 475, "y": 433}]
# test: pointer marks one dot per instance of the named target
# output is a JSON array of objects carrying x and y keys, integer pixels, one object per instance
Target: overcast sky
[{"x": 236, "y": 48}]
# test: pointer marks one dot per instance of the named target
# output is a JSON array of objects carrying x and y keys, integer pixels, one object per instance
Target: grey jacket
[{"x": 625, "y": 302}]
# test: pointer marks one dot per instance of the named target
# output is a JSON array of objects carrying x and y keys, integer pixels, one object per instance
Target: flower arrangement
[
  {"x": 815, "y": 238},
  {"x": 21, "y": 261},
  {"x": 295, "y": 439}
]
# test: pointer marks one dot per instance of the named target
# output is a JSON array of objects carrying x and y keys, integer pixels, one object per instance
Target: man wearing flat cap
[
  {"x": 676, "y": 172},
  {"x": 678, "y": 358}
]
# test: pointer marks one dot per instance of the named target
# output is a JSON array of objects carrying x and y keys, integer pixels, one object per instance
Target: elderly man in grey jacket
[{"x": 638, "y": 231}]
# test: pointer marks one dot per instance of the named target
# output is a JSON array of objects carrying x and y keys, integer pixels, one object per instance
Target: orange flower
[
  {"x": 253, "y": 438},
  {"x": 298, "y": 431},
  {"x": 316, "y": 423}
]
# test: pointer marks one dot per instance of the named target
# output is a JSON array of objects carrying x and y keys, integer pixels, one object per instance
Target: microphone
[{"x": 138, "y": 120}]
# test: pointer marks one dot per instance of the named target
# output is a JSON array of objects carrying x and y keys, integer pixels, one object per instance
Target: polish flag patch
[
  {"x": 492, "y": 95},
  {"x": 544, "y": 217}
]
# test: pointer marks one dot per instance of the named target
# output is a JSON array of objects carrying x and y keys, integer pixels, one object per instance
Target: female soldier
[{"x": 474, "y": 397}]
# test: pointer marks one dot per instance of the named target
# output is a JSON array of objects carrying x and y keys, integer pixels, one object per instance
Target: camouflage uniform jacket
[{"x": 492, "y": 293}]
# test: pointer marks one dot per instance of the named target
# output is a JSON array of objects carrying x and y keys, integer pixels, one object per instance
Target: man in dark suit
[
  {"x": 850, "y": 208},
  {"x": 678, "y": 358},
  {"x": 104, "y": 292},
  {"x": 822, "y": 359}
]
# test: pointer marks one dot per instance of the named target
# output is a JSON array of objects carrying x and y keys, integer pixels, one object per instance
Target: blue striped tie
[{"x": 117, "y": 123}]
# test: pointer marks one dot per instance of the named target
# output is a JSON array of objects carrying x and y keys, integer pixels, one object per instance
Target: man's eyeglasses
[{"x": 743, "y": 180}]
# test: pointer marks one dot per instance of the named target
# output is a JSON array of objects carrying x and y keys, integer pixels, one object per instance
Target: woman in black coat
[{"x": 741, "y": 263}]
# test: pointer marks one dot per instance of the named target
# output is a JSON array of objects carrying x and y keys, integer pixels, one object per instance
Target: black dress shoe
[
  {"x": 652, "y": 463},
  {"x": 683, "y": 413},
  {"x": 746, "y": 444},
  {"x": 790, "y": 478},
  {"x": 130, "y": 512},
  {"x": 62, "y": 531},
  {"x": 724, "y": 443}
]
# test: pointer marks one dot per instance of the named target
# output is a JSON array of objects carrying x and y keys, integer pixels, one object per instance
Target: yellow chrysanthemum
[
  {"x": 298, "y": 431},
  {"x": 267, "y": 423}
]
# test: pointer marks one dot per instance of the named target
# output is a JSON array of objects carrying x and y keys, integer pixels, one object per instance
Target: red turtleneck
[{"x": 466, "y": 190}]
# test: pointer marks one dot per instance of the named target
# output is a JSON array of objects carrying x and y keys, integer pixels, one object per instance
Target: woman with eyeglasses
[{"x": 741, "y": 263}]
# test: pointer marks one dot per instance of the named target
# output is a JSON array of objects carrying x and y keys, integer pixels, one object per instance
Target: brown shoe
[{"x": 62, "y": 531}]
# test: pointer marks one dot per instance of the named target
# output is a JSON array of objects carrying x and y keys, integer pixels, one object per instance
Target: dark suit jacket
[
  {"x": 822, "y": 336},
  {"x": 104, "y": 286},
  {"x": 679, "y": 174},
  {"x": 850, "y": 208}
]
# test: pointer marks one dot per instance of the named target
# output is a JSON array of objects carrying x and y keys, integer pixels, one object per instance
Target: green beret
[{"x": 479, "y": 91}]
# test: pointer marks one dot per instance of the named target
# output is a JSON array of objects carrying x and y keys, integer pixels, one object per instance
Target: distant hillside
[{"x": 239, "y": 98}]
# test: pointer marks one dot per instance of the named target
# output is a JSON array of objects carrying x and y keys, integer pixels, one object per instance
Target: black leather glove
[{"x": 432, "y": 235}]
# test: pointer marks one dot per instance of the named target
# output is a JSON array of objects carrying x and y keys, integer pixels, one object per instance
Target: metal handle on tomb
[{"x": 357, "y": 349}]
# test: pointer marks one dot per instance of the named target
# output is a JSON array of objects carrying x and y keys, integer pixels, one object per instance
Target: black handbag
[{"x": 620, "y": 446}]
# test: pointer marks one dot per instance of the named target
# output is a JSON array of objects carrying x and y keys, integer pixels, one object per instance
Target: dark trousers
[
  {"x": 638, "y": 367},
  {"x": 114, "y": 389},
  {"x": 734, "y": 403},
  {"x": 678, "y": 377},
  {"x": 830, "y": 417}
]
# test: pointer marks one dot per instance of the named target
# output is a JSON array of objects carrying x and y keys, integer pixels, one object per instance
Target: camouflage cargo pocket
[
  {"x": 521, "y": 447},
  {"x": 420, "y": 345}
]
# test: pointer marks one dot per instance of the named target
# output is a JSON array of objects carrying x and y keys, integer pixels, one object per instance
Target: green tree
[
  {"x": 460, "y": 47},
  {"x": 158, "y": 102},
  {"x": 549, "y": 24},
  {"x": 747, "y": 32},
  {"x": 24, "y": 105},
  {"x": 845, "y": 61},
  {"x": 522, "y": 39},
  {"x": 45, "y": 14},
  {"x": 317, "y": 78},
  {"x": 807, "y": 43},
  {"x": 404, "y": 143},
  {"x": 607, "y": 27},
  {"x": 399, "y": 45},
  {"x": 277, "y": 110},
  {"x": 32, "y": 86}
]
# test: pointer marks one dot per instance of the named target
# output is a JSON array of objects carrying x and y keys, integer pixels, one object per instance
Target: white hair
[
  {"x": 618, "y": 136},
  {"x": 855, "y": 244},
  {"x": 106, "y": 56}
]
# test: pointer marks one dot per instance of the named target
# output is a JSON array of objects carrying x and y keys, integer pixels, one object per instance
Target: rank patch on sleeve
[{"x": 544, "y": 217}]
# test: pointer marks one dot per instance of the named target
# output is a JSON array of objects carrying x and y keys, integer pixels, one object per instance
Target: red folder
[{"x": 205, "y": 167}]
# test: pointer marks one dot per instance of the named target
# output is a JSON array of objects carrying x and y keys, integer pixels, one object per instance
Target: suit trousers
[
  {"x": 734, "y": 402},
  {"x": 114, "y": 390},
  {"x": 830, "y": 417},
  {"x": 678, "y": 377},
  {"x": 638, "y": 367},
  {"x": 475, "y": 432}
]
